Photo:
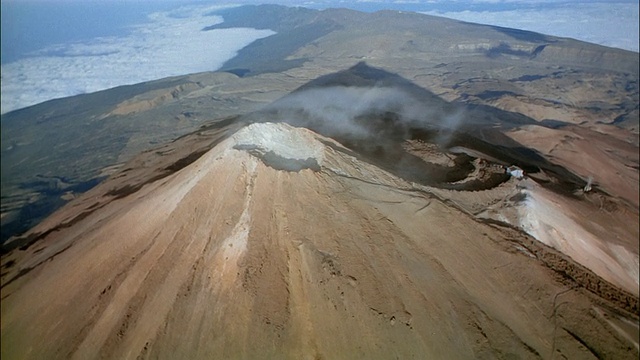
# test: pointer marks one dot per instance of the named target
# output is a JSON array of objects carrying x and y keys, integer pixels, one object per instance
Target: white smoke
[{"x": 360, "y": 113}]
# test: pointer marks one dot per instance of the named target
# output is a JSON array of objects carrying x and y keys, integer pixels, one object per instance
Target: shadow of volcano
[{"x": 374, "y": 112}]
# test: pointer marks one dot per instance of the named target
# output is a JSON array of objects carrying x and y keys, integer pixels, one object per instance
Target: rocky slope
[
  {"x": 56, "y": 150},
  {"x": 276, "y": 242}
]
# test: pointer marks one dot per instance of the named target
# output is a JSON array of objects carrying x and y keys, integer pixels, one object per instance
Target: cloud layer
[
  {"x": 612, "y": 24},
  {"x": 170, "y": 43}
]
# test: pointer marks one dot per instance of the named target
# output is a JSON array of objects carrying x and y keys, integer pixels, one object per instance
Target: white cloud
[
  {"x": 168, "y": 44},
  {"x": 172, "y": 43},
  {"x": 609, "y": 24}
]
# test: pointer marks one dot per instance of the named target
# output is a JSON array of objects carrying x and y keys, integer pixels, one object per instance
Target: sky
[
  {"x": 609, "y": 24},
  {"x": 58, "y": 48}
]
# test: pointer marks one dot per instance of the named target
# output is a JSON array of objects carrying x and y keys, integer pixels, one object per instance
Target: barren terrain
[
  {"x": 337, "y": 190},
  {"x": 246, "y": 259},
  {"x": 550, "y": 80}
]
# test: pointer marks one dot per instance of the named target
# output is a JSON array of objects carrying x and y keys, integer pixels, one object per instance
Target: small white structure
[{"x": 515, "y": 171}]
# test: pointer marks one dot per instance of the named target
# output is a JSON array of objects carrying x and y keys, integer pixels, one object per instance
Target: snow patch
[
  {"x": 236, "y": 243},
  {"x": 281, "y": 146},
  {"x": 545, "y": 220}
]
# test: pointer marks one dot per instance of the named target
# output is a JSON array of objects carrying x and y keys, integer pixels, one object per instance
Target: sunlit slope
[{"x": 280, "y": 243}]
